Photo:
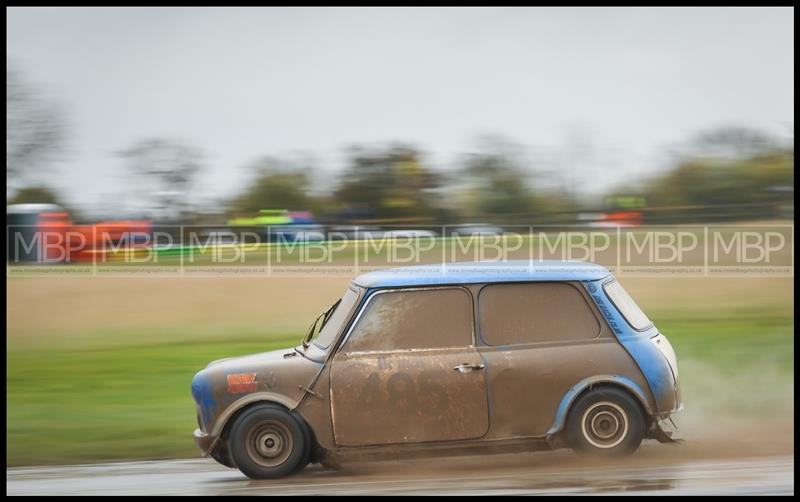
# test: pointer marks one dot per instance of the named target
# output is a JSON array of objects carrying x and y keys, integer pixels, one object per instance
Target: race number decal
[{"x": 404, "y": 393}]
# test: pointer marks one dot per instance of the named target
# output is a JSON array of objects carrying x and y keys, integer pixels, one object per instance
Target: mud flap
[
  {"x": 665, "y": 435},
  {"x": 221, "y": 455}
]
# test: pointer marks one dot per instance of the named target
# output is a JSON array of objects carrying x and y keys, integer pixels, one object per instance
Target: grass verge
[{"x": 99, "y": 401}]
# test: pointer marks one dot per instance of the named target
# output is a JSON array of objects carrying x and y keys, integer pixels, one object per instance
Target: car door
[
  {"x": 408, "y": 371},
  {"x": 539, "y": 340}
]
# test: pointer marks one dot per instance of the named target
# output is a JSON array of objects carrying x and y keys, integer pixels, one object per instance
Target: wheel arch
[
  {"x": 587, "y": 384},
  {"x": 224, "y": 444},
  {"x": 225, "y": 421}
]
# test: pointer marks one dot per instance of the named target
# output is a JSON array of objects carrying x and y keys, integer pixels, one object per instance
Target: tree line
[{"x": 734, "y": 167}]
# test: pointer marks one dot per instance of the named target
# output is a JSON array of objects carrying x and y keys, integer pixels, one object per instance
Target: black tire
[
  {"x": 267, "y": 442},
  {"x": 606, "y": 422},
  {"x": 309, "y": 443}
]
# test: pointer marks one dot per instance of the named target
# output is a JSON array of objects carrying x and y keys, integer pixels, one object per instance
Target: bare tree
[
  {"x": 165, "y": 170},
  {"x": 35, "y": 130}
]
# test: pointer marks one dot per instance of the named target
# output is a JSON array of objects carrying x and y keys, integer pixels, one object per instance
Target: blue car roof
[{"x": 483, "y": 272}]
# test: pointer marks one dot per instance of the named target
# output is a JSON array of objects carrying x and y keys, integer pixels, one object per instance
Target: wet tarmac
[{"x": 522, "y": 474}]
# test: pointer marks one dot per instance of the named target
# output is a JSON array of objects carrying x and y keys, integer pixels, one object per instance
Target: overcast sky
[{"x": 241, "y": 83}]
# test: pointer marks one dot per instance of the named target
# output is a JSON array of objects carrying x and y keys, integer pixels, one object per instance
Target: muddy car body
[{"x": 498, "y": 357}]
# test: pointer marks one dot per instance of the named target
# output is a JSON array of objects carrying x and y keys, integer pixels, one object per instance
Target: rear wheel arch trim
[{"x": 576, "y": 390}]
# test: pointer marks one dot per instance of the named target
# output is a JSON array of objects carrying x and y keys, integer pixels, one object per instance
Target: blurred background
[{"x": 308, "y": 125}]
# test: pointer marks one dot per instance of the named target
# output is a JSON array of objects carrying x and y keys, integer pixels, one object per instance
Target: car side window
[
  {"x": 413, "y": 319},
  {"x": 534, "y": 312}
]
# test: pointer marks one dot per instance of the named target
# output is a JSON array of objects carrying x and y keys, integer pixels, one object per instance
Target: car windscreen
[
  {"x": 626, "y": 306},
  {"x": 325, "y": 337}
]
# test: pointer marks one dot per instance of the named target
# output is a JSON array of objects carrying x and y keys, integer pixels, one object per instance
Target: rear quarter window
[
  {"x": 535, "y": 312},
  {"x": 627, "y": 306}
]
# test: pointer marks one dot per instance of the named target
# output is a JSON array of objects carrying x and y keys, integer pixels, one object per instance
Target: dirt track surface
[{"x": 523, "y": 474}]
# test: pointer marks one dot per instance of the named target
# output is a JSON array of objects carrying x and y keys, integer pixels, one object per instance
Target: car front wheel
[
  {"x": 267, "y": 442},
  {"x": 606, "y": 421}
]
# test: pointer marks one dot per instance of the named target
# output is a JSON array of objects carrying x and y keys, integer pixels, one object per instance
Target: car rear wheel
[
  {"x": 607, "y": 422},
  {"x": 268, "y": 442}
]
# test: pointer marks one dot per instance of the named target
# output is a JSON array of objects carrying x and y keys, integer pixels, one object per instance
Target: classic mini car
[{"x": 485, "y": 357}]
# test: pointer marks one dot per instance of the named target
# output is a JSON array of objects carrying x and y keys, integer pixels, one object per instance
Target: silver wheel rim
[
  {"x": 604, "y": 425},
  {"x": 269, "y": 443}
]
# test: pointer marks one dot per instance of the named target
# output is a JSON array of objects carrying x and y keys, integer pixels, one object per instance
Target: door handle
[{"x": 464, "y": 367}]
